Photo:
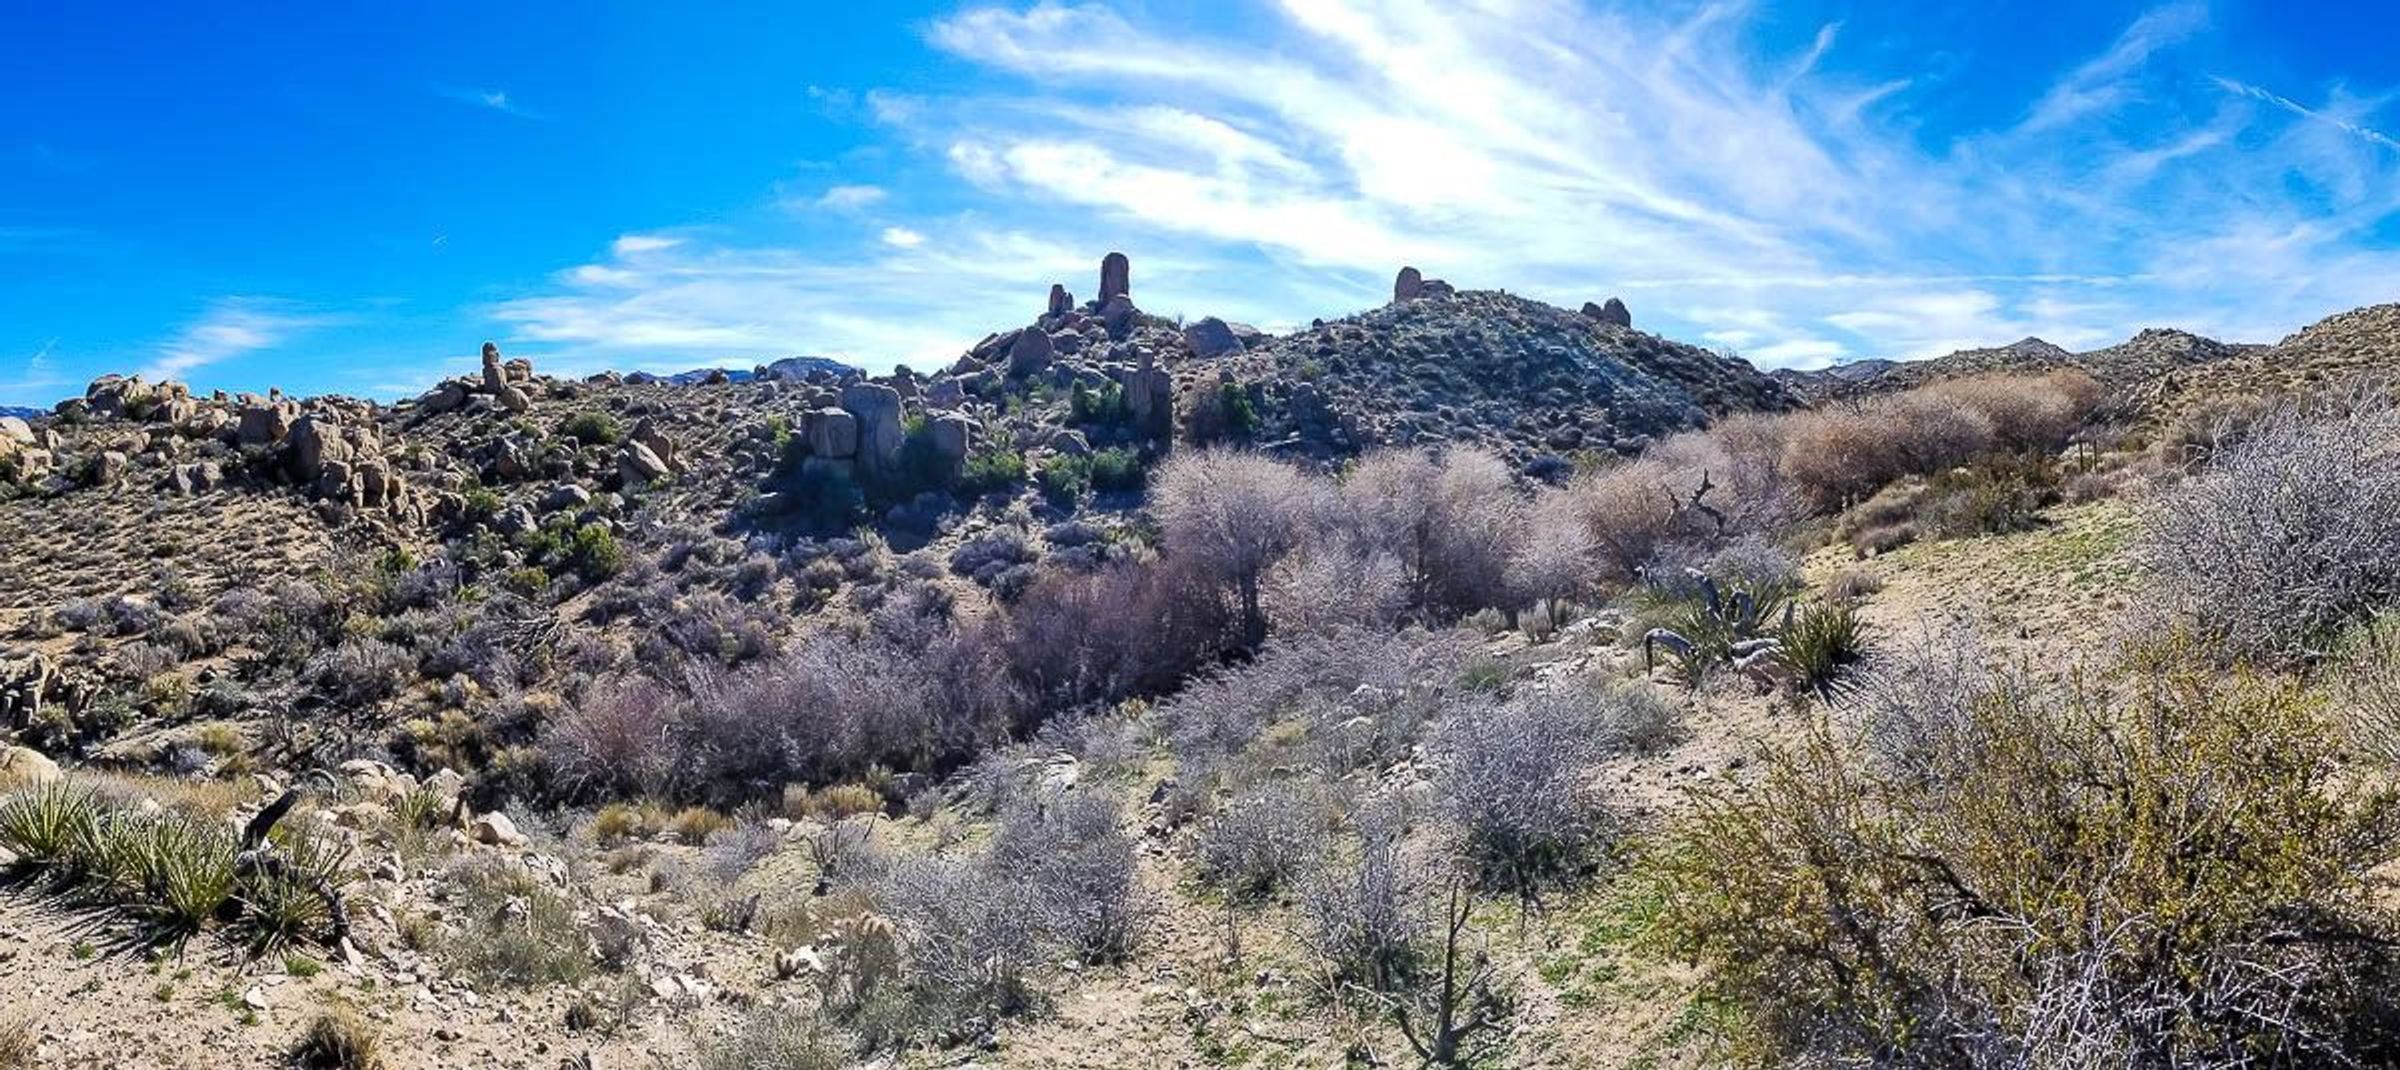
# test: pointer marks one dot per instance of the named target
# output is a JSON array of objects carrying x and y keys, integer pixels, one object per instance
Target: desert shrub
[
  {"x": 592, "y": 428},
  {"x": 1359, "y": 915},
  {"x": 1451, "y": 521},
  {"x": 362, "y": 672},
  {"x": 1231, "y": 516},
  {"x": 1065, "y": 479},
  {"x": 1077, "y": 867},
  {"x": 48, "y": 823},
  {"x": 2285, "y": 540},
  {"x": 1329, "y": 586},
  {"x": 777, "y": 1037},
  {"x": 20, "y": 1044},
  {"x": 2166, "y": 872},
  {"x": 1104, "y": 405},
  {"x": 1838, "y": 456},
  {"x": 1118, "y": 469},
  {"x": 1821, "y": 644},
  {"x": 823, "y": 497},
  {"x": 1260, "y": 840},
  {"x": 1718, "y": 623},
  {"x": 513, "y": 929},
  {"x": 2001, "y": 494},
  {"x": 1338, "y": 702},
  {"x": 1914, "y": 709},
  {"x": 1219, "y": 416},
  {"x": 1128, "y": 628},
  {"x": 1515, "y": 781},
  {"x": 337, "y": 1040},
  {"x": 1559, "y": 556},
  {"x": 1852, "y": 584},
  {"x": 992, "y": 469},
  {"x": 986, "y": 557},
  {"x": 2365, "y": 675},
  {"x": 969, "y": 937},
  {"x": 1642, "y": 721}
]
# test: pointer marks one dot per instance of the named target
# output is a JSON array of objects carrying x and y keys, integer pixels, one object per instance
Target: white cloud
[
  {"x": 231, "y": 327},
  {"x": 637, "y": 244},
  {"x": 1793, "y": 206},
  {"x": 492, "y": 99},
  {"x": 851, "y": 198}
]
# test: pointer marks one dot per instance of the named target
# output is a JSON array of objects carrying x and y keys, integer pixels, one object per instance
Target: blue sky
[{"x": 352, "y": 197}]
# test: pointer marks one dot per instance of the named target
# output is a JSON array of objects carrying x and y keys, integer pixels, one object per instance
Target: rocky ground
[{"x": 207, "y": 600}]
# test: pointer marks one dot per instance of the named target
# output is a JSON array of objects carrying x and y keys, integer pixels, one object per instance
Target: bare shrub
[
  {"x": 2286, "y": 538},
  {"x": 773, "y": 1036},
  {"x": 1125, "y": 629},
  {"x": 1360, "y": 916},
  {"x": 362, "y": 671},
  {"x": 1515, "y": 779},
  {"x": 1330, "y": 586},
  {"x": 1233, "y": 515},
  {"x": 1261, "y": 839},
  {"x": 969, "y": 939},
  {"x": 1915, "y": 706},
  {"x": 623, "y": 738},
  {"x": 1076, "y": 863},
  {"x": 1451, "y": 521}
]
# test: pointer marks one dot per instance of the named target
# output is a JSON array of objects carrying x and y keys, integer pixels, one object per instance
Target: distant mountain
[
  {"x": 21, "y": 412},
  {"x": 2134, "y": 370},
  {"x": 789, "y": 369}
]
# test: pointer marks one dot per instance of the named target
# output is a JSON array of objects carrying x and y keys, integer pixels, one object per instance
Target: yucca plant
[
  {"x": 1721, "y": 627},
  {"x": 285, "y": 904},
  {"x": 46, "y": 824},
  {"x": 1821, "y": 643},
  {"x": 181, "y": 868}
]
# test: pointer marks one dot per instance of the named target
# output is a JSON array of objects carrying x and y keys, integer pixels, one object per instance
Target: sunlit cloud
[
  {"x": 231, "y": 327},
  {"x": 1783, "y": 205}
]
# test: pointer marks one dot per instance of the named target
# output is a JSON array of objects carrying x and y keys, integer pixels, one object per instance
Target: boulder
[
  {"x": 1030, "y": 353},
  {"x": 880, "y": 433},
  {"x": 315, "y": 441},
  {"x": 24, "y": 766},
  {"x": 832, "y": 434},
  {"x": 495, "y": 376},
  {"x": 1061, "y": 302},
  {"x": 647, "y": 433},
  {"x": 564, "y": 497},
  {"x": 444, "y": 398},
  {"x": 15, "y": 429},
  {"x": 496, "y": 830},
  {"x": 512, "y": 398},
  {"x": 1211, "y": 337},
  {"x": 1116, "y": 277},
  {"x": 953, "y": 438},
  {"x": 263, "y": 425},
  {"x": 1116, "y": 314},
  {"x": 1613, "y": 312},
  {"x": 639, "y": 464},
  {"x": 1409, "y": 286}
]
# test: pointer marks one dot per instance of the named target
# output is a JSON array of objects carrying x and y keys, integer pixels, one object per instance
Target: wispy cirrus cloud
[
  {"x": 231, "y": 327},
  {"x": 490, "y": 99},
  {"x": 1785, "y": 204}
]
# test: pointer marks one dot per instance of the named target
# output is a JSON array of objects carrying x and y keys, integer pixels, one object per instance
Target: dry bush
[
  {"x": 1076, "y": 863},
  {"x": 1260, "y": 840},
  {"x": 513, "y": 928},
  {"x": 1232, "y": 516},
  {"x": 1559, "y": 557},
  {"x": 1515, "y": 781},
  {"x": 1838, "y": 456},
  {"x": 773, "y": 1036},
  {"x": 337, "y": 1040},
  {"x": 1360, "y": 915},
  {"x": 1130, "y": 628},
  {"x": 1450, "y": 520},
  {"x": 1338, "y": 703},
  {"x": 1330, "y": 586},
  {"x": 2169, "y": 872},
  {"x": 2287, "y": 537}
]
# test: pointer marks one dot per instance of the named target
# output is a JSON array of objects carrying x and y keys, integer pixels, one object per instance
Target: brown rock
[
  {"x": 1116, "y": 277},
  {"x": 1409, "y": 286}
]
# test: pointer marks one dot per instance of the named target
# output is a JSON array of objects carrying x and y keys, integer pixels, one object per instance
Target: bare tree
[{"x": 1235, "y": 514}]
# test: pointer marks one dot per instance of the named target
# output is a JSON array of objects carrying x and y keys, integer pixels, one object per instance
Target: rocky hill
[{"x": 2131, "y": 365}]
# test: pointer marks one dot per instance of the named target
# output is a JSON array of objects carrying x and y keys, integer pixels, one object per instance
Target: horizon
[{"x": 352, "y": 202}]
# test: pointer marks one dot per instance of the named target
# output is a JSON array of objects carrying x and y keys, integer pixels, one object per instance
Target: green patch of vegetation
[
  {"x": 992, "y": 468},
  {"x": 592, "y": 429}
]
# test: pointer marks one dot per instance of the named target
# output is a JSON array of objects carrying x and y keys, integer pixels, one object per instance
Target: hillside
[
  {"x": 2136, "y": 370},
  {"x": 1126, "y": 691}
]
